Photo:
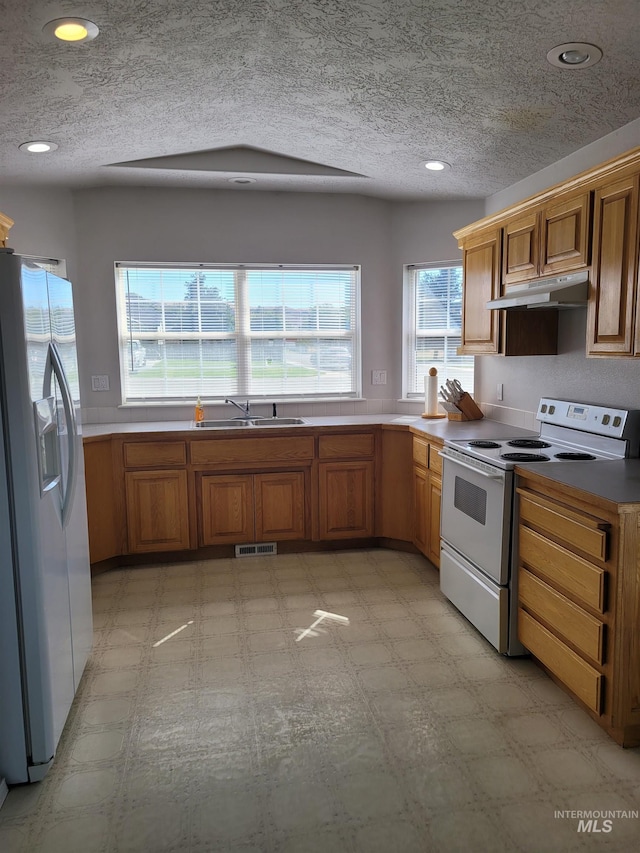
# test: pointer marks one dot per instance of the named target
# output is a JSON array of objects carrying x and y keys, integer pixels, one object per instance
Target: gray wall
[
  {"x": 44, "y": 223},
  {"x": 568, "y": 375},
  {"x": 231, "y": 226}
]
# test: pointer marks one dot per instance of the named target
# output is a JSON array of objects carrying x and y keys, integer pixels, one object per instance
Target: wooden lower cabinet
[
  {"x": 427, "y": 492},
  {"x": 105, "y": 531},
  {"x": 346, "y": 500},
  {"x": 434, "y": 495},
  {"x": 565, "y": 567},
  {"x": 238, "y": 508},
  {"x": 226, "y": 509},
  {"x": 421, "y": 509},
  {"x": 280, "y": 506},
  {"x": 579, "y": 597},
  {"x": 157, "y": 511}
]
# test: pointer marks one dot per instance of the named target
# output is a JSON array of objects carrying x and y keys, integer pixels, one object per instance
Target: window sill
[{"x": 173, "y": 404}]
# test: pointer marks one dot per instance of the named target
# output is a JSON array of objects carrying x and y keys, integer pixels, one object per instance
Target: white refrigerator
[{"x": 45, "y": 583}]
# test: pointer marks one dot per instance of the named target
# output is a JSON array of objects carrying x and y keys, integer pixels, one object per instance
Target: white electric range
[{"x": 477, "y": 504}]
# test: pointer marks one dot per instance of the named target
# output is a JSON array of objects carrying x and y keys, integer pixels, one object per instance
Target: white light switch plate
[
  {"x": 378, "y": 377},
  {"x": 99, "y": 383}
]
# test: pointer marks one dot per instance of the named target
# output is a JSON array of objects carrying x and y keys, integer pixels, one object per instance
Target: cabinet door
[
  {"x": 105, "y": 538},
  {"x": 226, "y": 509},
  {"x": 346, "y": 499},
  {"x": 434, "y": 494},
  {"x": 157, "y": 511},
  {"x": 481, "y": 269},
  {"x": 615, "y": 253},
  {"x": 565, "y": 234},
  {"x": 421, "y": 510},
  {"x": 521, "y": 260},
  {"x": 280, "y": 506}
]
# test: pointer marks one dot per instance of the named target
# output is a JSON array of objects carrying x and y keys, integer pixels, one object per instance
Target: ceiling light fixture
[
  {"x": 574, "y": 54},
  {"x": 242, "y": 180},
  {"x": 38, "y": 147},
  {"x": 436, "y": 165},
  {"x": 75, "y": 30}
]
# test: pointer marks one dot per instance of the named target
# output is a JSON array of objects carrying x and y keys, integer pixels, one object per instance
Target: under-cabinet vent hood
[{"x": 564, "y": 291}]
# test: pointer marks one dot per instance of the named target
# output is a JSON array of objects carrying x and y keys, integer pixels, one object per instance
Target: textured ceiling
[{"x": 367, "y": 88}]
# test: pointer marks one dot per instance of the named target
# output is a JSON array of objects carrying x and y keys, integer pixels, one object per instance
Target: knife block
[{"x": 469, "y": 410}]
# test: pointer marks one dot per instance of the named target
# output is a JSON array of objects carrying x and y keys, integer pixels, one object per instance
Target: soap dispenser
[{"x": 198, "y": 414}]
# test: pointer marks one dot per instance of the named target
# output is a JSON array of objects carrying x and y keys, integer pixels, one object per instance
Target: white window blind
[
  {"x": 217, "y": 330},
  {"x": 433, "y": 315}
]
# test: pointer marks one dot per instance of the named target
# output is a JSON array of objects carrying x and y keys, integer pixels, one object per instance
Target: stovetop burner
[
  {"x": 528, "y": 442},
  {"x": 483, "y": 442},
  {"x": 525, "y": 457},
  {"x": 585, "y": 456}
]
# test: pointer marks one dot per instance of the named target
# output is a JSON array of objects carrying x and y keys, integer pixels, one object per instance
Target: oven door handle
[{"x": 499, "y": 475}]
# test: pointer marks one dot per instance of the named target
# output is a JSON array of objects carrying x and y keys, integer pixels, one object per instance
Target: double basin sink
[{"x": 248, "y": 423}]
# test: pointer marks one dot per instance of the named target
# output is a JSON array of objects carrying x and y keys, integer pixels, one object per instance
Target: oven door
[{"x": 476, "y": 513}]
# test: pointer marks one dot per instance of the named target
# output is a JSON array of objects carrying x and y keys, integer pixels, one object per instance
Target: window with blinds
[
  {"x": 433, "y": 316},
  {"x": 217, "y": 330}
]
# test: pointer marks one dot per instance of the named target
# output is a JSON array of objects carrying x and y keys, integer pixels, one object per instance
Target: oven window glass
[{"x": 470, "y": 499}]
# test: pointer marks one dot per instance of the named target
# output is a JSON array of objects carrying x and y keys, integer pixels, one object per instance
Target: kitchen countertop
[
  {"x": 617, "y": 481},
  {"x": 438, "y": 428}
]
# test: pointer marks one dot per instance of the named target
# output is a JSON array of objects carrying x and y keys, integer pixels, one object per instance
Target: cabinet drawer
[
  {"x": 345, "y": 446},
  {"x": 579, "y": 530},
  {"x": 154, "y": 454},
  {"x": 435, "y": 460},
  {"x": 568, "y": 620},
  {"x": 211, "y": 451},
  {"x": 421, "y": 452},
  {"x": 563, "y": 569},
  {"x": 576, "y": 674}
]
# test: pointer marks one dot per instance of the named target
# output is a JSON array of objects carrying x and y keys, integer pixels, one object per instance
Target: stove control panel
[{"x": 600, "y": 420}]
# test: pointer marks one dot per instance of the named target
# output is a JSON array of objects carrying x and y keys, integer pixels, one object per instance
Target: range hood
[{"x": 564, "y": 291}]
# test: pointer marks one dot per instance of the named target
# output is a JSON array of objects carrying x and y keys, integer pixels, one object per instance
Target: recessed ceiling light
[
  {"x": 76, "y": 30},
  {"x": 574, "y": 54},
  {"x": 242, "y": 180},
  {"x": 38, "y": 147},
  {"x": 436, "y": 165}
]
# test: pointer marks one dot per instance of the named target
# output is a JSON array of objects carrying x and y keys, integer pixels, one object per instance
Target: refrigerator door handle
[{"x": 54, "y": 364}]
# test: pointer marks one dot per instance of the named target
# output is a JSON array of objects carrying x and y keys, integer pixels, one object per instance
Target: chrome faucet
[{"x": 246, "y": 411}]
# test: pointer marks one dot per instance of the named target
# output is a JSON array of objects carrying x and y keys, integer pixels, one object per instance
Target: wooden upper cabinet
[
  {"x": 481, "y": 270},
  {"x": 521, "y": 250},
  {"x": 550, "y": 240},
  {"x": 565, "y": 230},
  {"x": 615, "y": 264}
]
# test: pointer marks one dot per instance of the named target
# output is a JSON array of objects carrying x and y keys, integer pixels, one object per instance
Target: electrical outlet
[
  {"x": 500, "y": 391},
  {"x": 378, "y": 377},
  {"x": 99, "y": 383}
]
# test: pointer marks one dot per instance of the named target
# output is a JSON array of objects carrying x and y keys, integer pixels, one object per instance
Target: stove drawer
[
  {"x": 572, "y": 574},
  {"x": 577, "y": 530},
  {"x": 563, "y": 617},
  {"x": 483, "y": 602}
]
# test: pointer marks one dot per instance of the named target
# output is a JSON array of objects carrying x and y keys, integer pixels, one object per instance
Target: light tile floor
[{"x": 400, "y": 732}]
